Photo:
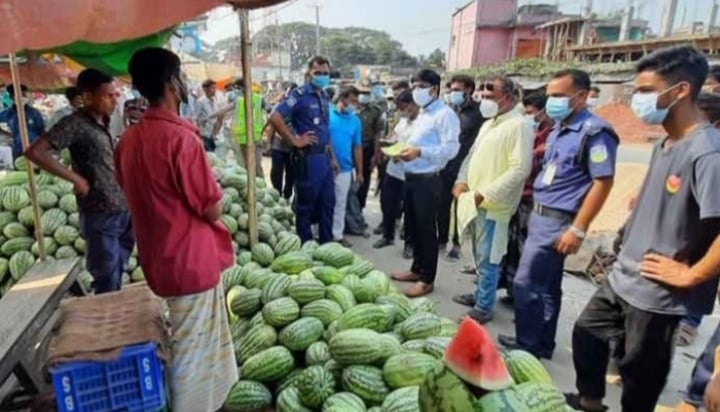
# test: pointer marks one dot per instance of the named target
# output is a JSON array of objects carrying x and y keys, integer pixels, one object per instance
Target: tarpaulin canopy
[
  {"x": 43, "y": 74},
  {"x": 199, "y": 71},
  {"x": 43, "y": 24}
]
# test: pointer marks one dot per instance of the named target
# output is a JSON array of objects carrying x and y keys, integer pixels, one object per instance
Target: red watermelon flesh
[{"x": 473, "y": 356}]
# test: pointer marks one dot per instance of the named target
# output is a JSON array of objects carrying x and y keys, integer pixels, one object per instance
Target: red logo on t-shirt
[{"x": 672, "y": 184}]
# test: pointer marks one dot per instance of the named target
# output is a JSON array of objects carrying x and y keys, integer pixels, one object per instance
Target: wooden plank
[{"x": 28, "y": 306}]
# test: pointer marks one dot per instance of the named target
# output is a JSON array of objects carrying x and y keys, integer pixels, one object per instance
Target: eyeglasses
[
  {"x": 321, "y": 73},
  {"x": 490, "y": 87}
]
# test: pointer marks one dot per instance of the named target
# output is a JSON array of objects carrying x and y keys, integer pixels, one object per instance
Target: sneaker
[
  {"x": 465, "y": 300},
  {"x": 378, "y": 230},
  {"x": 454, "y": 254},
  {"x": 479, "y": 316},
  {"x": 344, "y": 242},
  {"x": 383, "y": 243},
  {"x": 408, "y": 252}
]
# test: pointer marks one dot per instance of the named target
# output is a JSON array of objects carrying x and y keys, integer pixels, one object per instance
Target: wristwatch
[{"x": 577, "y": 232}]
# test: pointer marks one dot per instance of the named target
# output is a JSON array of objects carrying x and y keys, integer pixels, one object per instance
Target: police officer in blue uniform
[
  {"x": 570, "y": 190},
  {"x": 307, "y": 108}
]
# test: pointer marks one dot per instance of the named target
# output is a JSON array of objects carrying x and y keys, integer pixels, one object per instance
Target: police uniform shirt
[
  {"x": 674, "y": 217},
  {"x": 566, "y": 177},
  {"x": 307, "y": 111}
]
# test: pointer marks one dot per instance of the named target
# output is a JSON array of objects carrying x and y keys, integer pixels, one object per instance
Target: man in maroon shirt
[
  {"x": 535, "y": 112},
  {"x": 175, "y": 203}
]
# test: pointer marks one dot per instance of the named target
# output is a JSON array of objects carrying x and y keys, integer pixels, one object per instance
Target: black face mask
[{"x": 181, "y": 90}]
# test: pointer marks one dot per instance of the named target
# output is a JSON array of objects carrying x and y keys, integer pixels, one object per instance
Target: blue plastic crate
[{"x": 134, "y": 382}]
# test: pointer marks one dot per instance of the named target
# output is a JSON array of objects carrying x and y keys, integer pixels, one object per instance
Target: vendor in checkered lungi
[{"x": 175, "y": 202}]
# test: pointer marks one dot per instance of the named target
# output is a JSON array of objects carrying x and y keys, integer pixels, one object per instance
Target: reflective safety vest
[{"x": 240, "y": 131}]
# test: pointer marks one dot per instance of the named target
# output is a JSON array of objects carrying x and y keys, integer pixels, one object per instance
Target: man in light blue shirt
[
  {"x": 346, "y": 141},
  {"x": 433, "y": 142}
]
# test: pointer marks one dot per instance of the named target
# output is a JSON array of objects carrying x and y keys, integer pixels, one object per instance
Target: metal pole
[
  {"x": 25, "y": 144},
  {"x": 317, "y": 29},
  {"x": 245, "y": 47}
]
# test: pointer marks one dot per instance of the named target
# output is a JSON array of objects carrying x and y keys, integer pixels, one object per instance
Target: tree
[{"x": 435, "y": 59}]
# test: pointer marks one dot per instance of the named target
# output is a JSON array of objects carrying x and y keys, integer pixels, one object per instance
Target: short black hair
[
  {"x": 580, "y": 78},
  {"x": 330, "y": 91},
  {"x": 209, "y": 82},
  {"x": 319, "y": 60},
  {"x": 678, "y": 64},
  {"x": 405, "y": 97},
  {"x": 466, "y": 80},
  {"x": 347, "y": 91},
  {"x": 71, "y": 93},
  {"x": 400, "y": 84},
  {"x": 709, "y": 103},
  {"x": 11, "y": 90},
  {"x": 715, "y": 72},
  {"x": 151, "y": 69},
  {"x": 595, "y": 89},
  {"x": 90, "y": 80},
  {"x": 508, "y": 85},
  {"x": 536, "y": 100},
  {"x": 428, "y": 76},
  {"x": 239, "y": 82}
]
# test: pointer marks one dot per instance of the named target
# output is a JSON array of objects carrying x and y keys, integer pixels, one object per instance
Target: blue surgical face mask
[
  {"x": 644, "y": 105},
  {"x": 457, "y": 98},
  {"x": 422, "y": 96},
  {"x": 349, "y": 109},
  {"x": 364, "y": 98},
  {"x": 320, "y": 81},
  {"x": 377, "y": 91},
  {"x": 558, "y": 108}
]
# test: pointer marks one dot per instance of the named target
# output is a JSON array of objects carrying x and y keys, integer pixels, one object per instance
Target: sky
[{"x": 422, "y": 25}]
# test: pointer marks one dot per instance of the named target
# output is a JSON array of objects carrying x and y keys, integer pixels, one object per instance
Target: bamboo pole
[
  {"x": 25, "y": 144},
  {"x": 245, "y": 47}
]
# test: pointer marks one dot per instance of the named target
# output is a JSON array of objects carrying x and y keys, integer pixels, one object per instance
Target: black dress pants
[
  {"x": 391, "y": 202},
  {"x": 448, "y": 175},
  {"x": 422, "y": 200},
  {"x": 368, "y": 152}
]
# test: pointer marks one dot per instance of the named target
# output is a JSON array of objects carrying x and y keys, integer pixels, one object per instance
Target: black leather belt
[
  {"x": 552, "y": 212},
  {"x": 419, "y": 176},
  {"x": 315, "y": 149}
]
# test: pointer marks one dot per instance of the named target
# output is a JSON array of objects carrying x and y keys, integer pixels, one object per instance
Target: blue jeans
[
  {"x": 488, "y": 273},
  {"x": 109, "y": 241},
  {"x": 702, "y": 372}
]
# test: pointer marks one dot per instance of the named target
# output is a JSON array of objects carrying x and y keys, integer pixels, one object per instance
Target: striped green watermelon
[
  {"x": 379, "y": 281},
  {"x": 356, "y": 347},
  {"x": 324, "y": 310},
  {"x": 263, "y": 254},
  {"x": 402, "y": 400},
  {"x": 281, "y": 312},
  {"x": 300, "y": 334},
  {"x": 233, "y": 193},
  {"x": 449, "y": 328},
  {"x": 247, "y": 396},
  {"x": 26, "y": 216},
  {"x": 420, "y": 326},
  {"x": 235, "y": 211},
  {"x": 243, "y": 221},
  {"x": 265, "y": 230},
  {"x": 68, "y": 203},
  {"x": 401, "y": 303},
  {"x": 541, "y": 397},
  {"x": 390, "y": 345},
  {"x": 344, "y": 401},
  {"x": 66, "y": 235},
  {"x": 20, "y": 263},
  {"x": 289, "y": 401},
  {"x": 6, "y": 218},
  {"x": 13, "y": 179},
  {"x": 15, "y": 229},
  {"x": 232, "y": 276},
  {"x": 408, "y": 369},
  {"x": 328, "y": 274},
  {"x": 244, "y": 258},
  {"x": 360, "y": 268},
  {"x": 414, "y": 345},
  {"x": 13, "y": 246},
  {"x": 269, "y": 365},
  {"x": 275, "y": 288},
  {"x": 47, "y": 199},
  {"x": 442, "y": 390},
  {"x": 306, "y": 290},
  {"x": 256, "y": 339},
  {"x": 366, "y": 382},
  {"x": 50, "y": 247},
  {"x": 230, "y": 223},
  {"x": 524, "y": 368},
  {"x": 74, "y": 220},
  {"x": 291, "y": 263},
  {"x": 317, "y": 353},
  {"x": 507, "y": 400},
  {"x": 364, "y": 315},
  {"x": 14, "y": 198},
  {"x": 422, "y": 304},
  {"x": 364, "y": 291},
  {"x": 79, "y": 245},
  {"x": 315, "y": 386},
  {"x": 65, "y": 252},
  {"x": 232, "y": 293},
  {"x": 310, "y": 246},
  {"x": 243, "y": 240},
  {"x": 289, "y": 243},
  {"x": 333, "y": 254},
  {"x": 334, "y": 368},
  {"x": 4, "y": 264},
  {"x": 290, "y": 380},
  {"x": 246, "y": 302},
  {"x": 257, "y": 278},
  {"x": 341, "y": 295},
  {"x": 436, "y": 346},
  {"x": 51, "y": 220}
]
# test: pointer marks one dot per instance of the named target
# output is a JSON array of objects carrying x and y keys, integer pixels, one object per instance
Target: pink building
[{"x": 491, "y": 31}]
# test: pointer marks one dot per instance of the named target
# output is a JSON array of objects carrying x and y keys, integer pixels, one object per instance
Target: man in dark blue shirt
[
  {"x": 33, "y": 118},
  {"x": 308, "y": 109}
]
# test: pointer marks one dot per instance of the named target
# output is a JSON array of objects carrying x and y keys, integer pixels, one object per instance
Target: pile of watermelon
[{"x": 318, "y": 328}]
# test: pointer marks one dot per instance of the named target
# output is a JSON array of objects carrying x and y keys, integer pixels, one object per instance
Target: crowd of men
[{"x": 520, "y": 175}]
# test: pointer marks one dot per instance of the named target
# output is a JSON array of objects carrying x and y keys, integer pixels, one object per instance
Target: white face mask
[
  {"x": 489, "y": 108},
  {"x": 422, "y": 96},
  {"x": 364, "y": 98},
  {"x": 591, "y": 102},
  {"x": 530, "y": 118}
]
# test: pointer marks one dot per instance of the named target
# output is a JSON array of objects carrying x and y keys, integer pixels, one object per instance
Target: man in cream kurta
[{"x": 489, "y": 187}]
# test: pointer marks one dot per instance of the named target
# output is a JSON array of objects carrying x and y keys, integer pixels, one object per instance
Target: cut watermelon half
[{"x": 473, "y": 356}]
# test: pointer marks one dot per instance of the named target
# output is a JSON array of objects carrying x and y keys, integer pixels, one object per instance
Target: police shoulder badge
[
  {"x": 672, "y": 184},
  {"x": 598, "y": 153}
]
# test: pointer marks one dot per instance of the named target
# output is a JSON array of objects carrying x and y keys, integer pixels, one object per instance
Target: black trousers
[
  {"x": 644, "y": 349},
  {"x": 448, "y": 176},
  {"x": 368, "y": 152},
  {"x": 391, "y": 202},
  {"x": 281, "y": 168},
  {"x": 422, "y": 200}
]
